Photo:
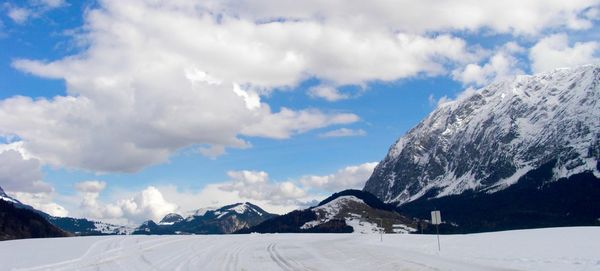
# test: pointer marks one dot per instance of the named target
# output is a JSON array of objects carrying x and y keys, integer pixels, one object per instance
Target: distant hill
[
  {"x": 227, "y": 219},
  {"x": 344, "y": 212},
  {"x": 18, "y": 223},
  {"x": 86, "y": 227}
]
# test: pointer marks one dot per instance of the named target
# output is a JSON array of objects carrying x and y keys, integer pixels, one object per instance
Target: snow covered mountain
[
  {"x": 85, "y": 227},
  {"x": 486, "y": 141},
  {"x": 226, "y": 219},
  {"x": 171, "y": 219},
  {"x": 344, "y": 212},
  {"x": 7, "y": 198},
  {"x": 17, "y": 221},
  {"x": 77, "y": 226}
]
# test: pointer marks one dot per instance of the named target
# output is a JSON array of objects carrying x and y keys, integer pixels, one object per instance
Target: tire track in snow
[
  {"x": 282, "y": 262},
  {"x": 109, "y": 255},
  {"x": 276, "y": 258},
  {"x": 232, "y": 259}
]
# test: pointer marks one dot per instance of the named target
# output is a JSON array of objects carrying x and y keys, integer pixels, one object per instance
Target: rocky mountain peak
[{"x": 485, "y": 140}]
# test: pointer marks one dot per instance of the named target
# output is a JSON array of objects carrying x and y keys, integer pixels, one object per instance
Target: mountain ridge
[{"x": 488, "y": 139}]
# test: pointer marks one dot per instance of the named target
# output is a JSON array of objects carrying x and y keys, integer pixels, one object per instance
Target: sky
[{"x": 124, "y": 111}]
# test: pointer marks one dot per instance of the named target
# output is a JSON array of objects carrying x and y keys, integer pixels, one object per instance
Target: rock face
[
  {"x": 344, "y": 212},
  {"x": 485, "y": 141}
]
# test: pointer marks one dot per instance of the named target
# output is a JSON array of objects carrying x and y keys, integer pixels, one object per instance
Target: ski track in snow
[{"x": 544, "y": 249}]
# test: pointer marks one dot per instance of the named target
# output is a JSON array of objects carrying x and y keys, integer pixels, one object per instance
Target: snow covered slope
[
  {"x": 552, "y": 249},
  {"x": 358, "y": 215},
  {"x": 488, "y": 139}
]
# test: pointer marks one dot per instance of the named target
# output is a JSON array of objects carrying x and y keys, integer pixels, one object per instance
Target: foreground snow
[{"x": 543, "y": 249}]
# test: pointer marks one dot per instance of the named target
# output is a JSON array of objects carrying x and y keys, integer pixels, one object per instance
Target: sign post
[
  {"x": 436, "y": 219},
  {"x": 381, "y": 230}
]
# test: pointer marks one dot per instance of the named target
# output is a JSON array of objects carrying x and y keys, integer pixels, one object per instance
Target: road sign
[{"x": 436, "y": 218}]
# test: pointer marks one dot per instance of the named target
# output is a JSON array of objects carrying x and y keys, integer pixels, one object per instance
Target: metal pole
[
  {"x": 437, "y": 228},
  {"x": 381, "y": 231}
]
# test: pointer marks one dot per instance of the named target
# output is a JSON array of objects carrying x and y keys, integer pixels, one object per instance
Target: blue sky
[{"x": 105, "y": 106}]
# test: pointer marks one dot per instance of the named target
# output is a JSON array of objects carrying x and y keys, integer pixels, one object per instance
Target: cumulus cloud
[
  {"x": 274, "y": 196},
  {"x": 502, "y": 64},
  {"x": 149, "y": 203},
  {"x": 327, "y": 93},
  {"x": 256, "y": 185},
  {"x": 133, "y": 207},
  {"x": 213, "y": 195},
  {"x": 44, "y": 202},
  {"x": 510, "y": 16},
  {"x": 344, "y": 132},
  {"x": 18, "y": 174},
  {"x": 555, "y": 52},
  {"x": 346, "y": 178},
  {"x": 137, "y": 101},
  {"x": 143, "y": 205},
  {"x": 21, "y": 177},
  {"x": 139, "y": 89}
]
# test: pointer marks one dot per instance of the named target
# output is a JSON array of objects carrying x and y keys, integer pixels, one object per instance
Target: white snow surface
[{"x": 551, "y": 249}]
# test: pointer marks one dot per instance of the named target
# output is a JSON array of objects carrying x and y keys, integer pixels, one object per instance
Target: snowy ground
[{"x": 545, "y": 249}]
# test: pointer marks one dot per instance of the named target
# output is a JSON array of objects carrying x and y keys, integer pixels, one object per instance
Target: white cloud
[
  {"x": 21, "y": 177},
  {"x": 255, "y": 185},
  {"x": 194, "y": 75},
  {"x": 509, "y": 16},
  {"x": 344, "y": 132},
  {"x": 243, "y": 186},
  {"x": 18, "y": 174},
  {"x": 554, "y": 52},
  {"x": 92, "y": 186},
  {"x": 501, "y": 65},
  {"x": 273, "y": 196},
  {"x": 52, "y": 3},
  {"x": 286, "y": 122},
  {"x": 33, "y": 9},
  {"x": 148, "y": 204},
  {"x": 351, "y": 177},
  {"x": 19, "y": 15},
  {"x": 143, "y": 205},
  {"x": 41, "y": 201},
  {"x": 328, "y": 93}
]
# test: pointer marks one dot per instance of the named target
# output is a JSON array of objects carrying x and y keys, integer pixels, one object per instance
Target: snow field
[{"x": 576, "y": 248}]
